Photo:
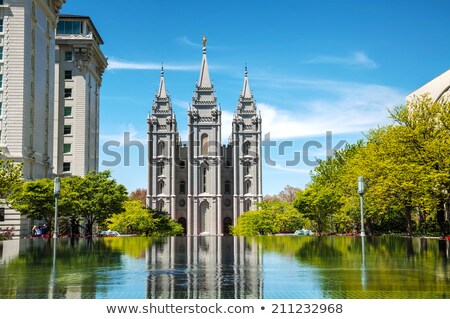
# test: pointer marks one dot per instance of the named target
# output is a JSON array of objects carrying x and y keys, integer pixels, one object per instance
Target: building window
[
  {"x": 67, "y": 148},
  {"x": 182, "y": 203},
  {"x": 1, "y": 108},
  {"x": 161, "y": 187},
  {"x": 68, "y": 27},
  {"x": 66, "y": 167},
  {"x": 204, "y": 169},
  {"x": 204, "y": 141},
  {"x": 161, "y": 205},
  {"x": 182, "y": 187},
  {"x": 1, "y": 53},
  {"x": 159, "y": 168},
  {"x": 68, "y": 75},
  {"x": 161, "y": 147},
  {"x": 2, "y": 214},
  {"x": 183, "y": 164},
  {"x": 67, "y": 111},
  {"x": 227, "y": 203},
  {"x": 246, "y": 168},
  {"x": 67, "y": 129},
  {"x": 1, "y": 81},
  {"x": 68, "y": 56},
  {"x": 248, "y": 205},
  {"x": 246, "y": 148},
  {"x": 1, "y": 25},
  {"x": 67, "y": 93},
  {"x": 248, "y": 186},
  {"x": 227, "y": 187}
]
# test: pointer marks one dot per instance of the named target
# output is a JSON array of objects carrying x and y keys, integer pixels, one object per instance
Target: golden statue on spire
[{"x": 204, "y": 41}]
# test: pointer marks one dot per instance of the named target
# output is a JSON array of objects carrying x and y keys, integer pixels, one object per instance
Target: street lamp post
[
  {"x": 361, "y": 200},
  {"x": 56, "y": 189}
]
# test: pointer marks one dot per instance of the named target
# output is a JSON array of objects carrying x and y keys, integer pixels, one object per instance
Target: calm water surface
[{"x": 225, "y": 267}]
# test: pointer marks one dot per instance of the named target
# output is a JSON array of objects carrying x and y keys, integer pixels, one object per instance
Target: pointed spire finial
[
  {"x": 204, "y": 80},
  {"x": 162, "y": 68},
  {"x": 246, "y": 93},
  {"x": 162, "y": 93},
  {"x": 204, "y": 44}
]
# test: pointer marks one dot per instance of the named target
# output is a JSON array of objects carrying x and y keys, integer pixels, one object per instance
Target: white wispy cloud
[
  {"x": 289, "y": 169},
  {"x": 120, "y": 134},
  {"x": 355, "y": 59},
  {"x": 118, "y": 64},
  {"x": 184, "y": 40},
  {"x": 340, "y": 107},
  {"x": 181, "y": 103}
]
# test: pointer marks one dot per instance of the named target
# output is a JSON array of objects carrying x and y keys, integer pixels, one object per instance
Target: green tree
[
  {"x": 256, "y": 222},
  {"x": 136, "y": 219},
  {"x": 426, "y": 127},
  {"x": 139, "y": 194},
  {"x": 272, "y": 217},
  {"x": 10, "y": 177},
  {"x": 35, "y": 199},
  {"x": 100, "y": 198},
  {"x": 318, "y": 205},
  {"x": 70, "y": 208}
]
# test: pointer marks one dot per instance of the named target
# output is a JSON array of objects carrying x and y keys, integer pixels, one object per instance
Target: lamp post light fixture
[
  {"x": 56, "y": 190},
  {"x": 361, "y": 191}
]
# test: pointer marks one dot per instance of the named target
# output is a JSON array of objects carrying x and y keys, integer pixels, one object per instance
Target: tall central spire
[
  {"x": 204, "y": 80},
  {"x": 246, "y": 93},
  {"x": 162, "y": 93}
]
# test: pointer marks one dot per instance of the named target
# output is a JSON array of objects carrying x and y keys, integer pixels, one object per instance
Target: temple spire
[
  {"x": 162, "y": 93},
  {"x": 246, "y": 93},
  {"x": 204, "y": 80}
]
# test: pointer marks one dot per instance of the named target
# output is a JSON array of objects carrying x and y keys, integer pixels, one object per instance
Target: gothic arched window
[
  {"x": 248, "y": 186},
  {"x": 161, "y": 148},
  {"x": 160, "y": 168},
  {"x": 246, "y": 148},
  {"x": 204, "y": 141},
  {"x": 182, "y": 187},
  {"x": 161, "y": 205},
  {"x": 248, "y": 205},
  {"x": 161, "y": 187},
  {"x": 203, "y": 178}
]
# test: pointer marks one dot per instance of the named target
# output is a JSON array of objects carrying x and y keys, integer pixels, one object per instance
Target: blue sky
[{"x": 314, "y": 66}]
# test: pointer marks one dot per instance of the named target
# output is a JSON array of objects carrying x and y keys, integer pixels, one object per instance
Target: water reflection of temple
[{"x": 204, "y": 267}]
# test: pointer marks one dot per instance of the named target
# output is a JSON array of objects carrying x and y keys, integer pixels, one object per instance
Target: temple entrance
[
  {"x": 182, "y": 222},
  {"x": 227, "y": 222}
]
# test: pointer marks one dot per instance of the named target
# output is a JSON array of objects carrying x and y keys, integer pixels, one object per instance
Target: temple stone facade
[{"x": 203, "y": 184}]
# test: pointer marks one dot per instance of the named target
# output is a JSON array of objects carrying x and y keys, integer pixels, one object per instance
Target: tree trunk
[
  {"x": 440, "y": 216},
  {"x": 88, "y": 231},
  {"x": 408, "y": 212}
]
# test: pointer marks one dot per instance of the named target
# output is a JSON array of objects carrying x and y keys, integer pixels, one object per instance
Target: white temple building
[{"x": 203, "y": 184}]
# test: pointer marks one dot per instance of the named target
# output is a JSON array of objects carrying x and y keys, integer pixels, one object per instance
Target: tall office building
[
  {"x": 27, "y": 40},
  {"x": 27, "y": 61},
  {"x": 79, "y": 67},
  {"x": 204, "y": 185}
]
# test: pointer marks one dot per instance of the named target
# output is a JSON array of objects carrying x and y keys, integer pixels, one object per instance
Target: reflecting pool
[{"x": 225, "y": 267}]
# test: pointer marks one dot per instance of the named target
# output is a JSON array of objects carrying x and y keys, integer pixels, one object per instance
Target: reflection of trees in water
[
  {"x": 77, "y": 264},
  {"x": 393, "y": 267}
]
